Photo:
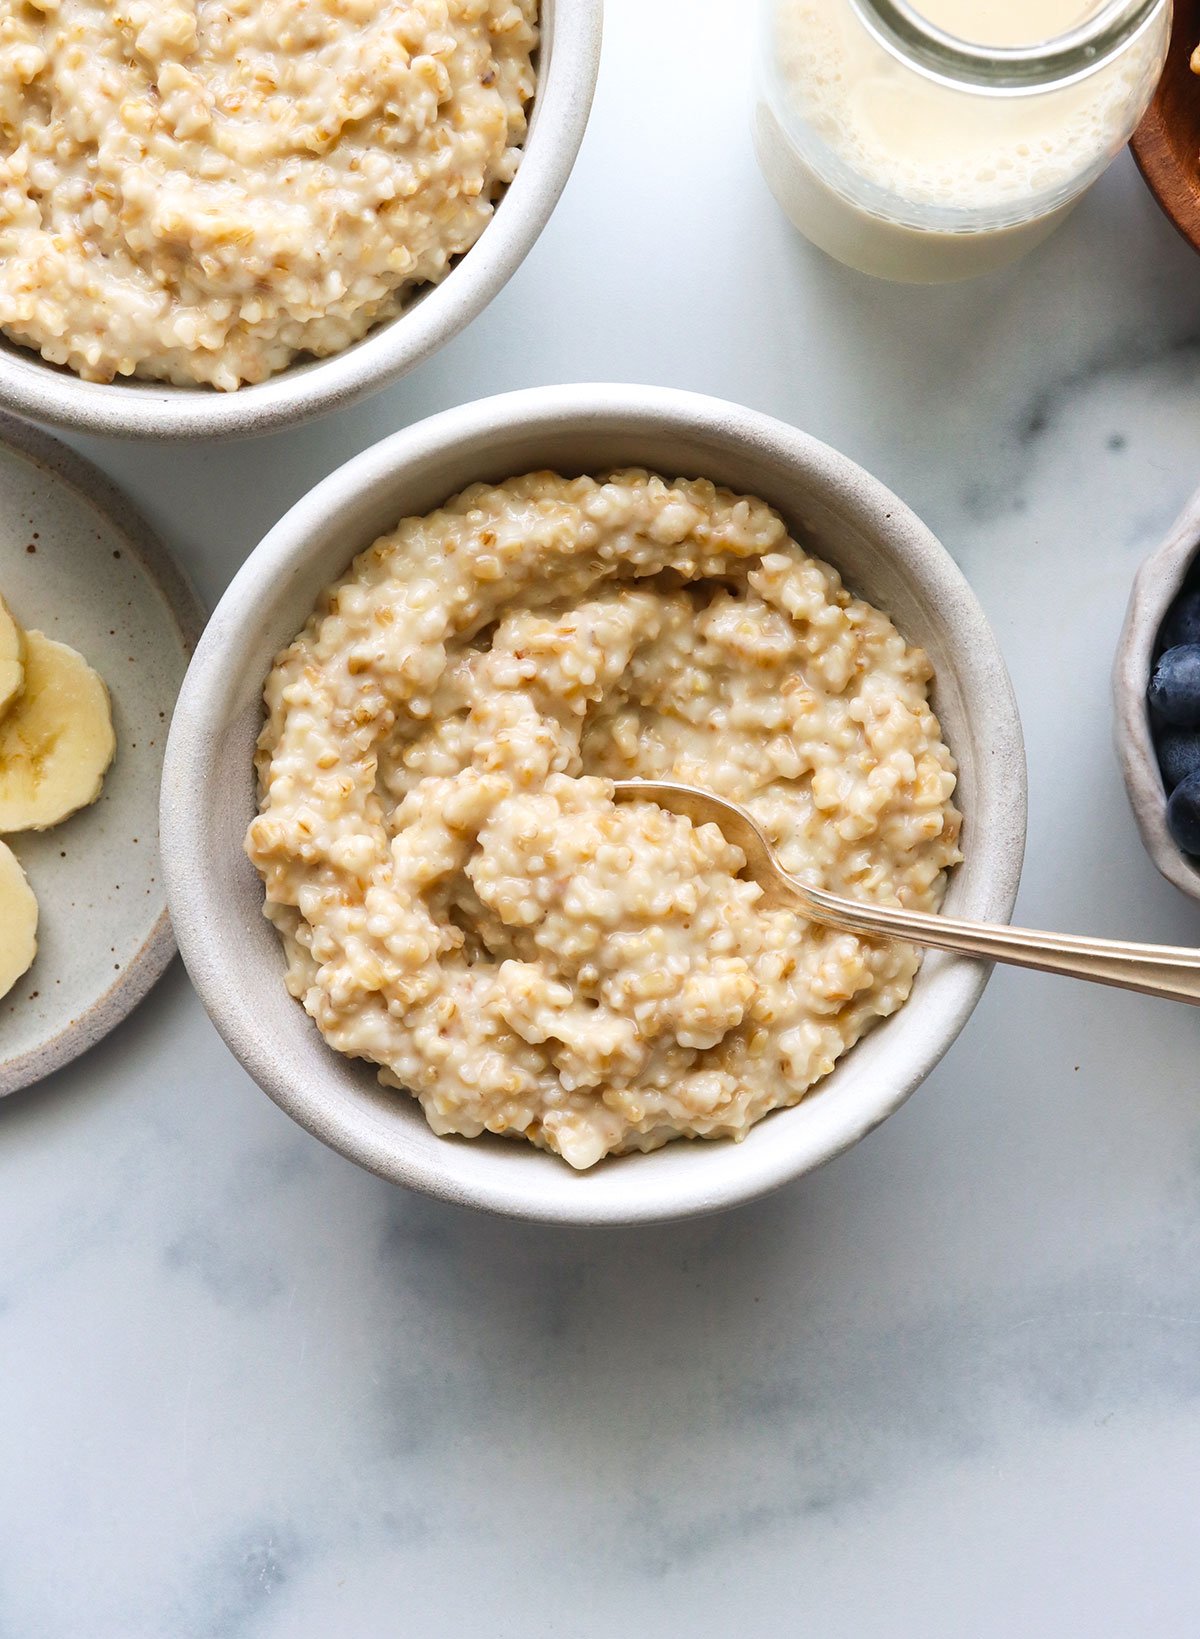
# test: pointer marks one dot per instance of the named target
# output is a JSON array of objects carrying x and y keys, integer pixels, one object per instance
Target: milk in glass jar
[{"x": 929, "y": 140}]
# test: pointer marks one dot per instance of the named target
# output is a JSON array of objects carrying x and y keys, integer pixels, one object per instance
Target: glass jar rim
[{"x": 901, "y": 30}]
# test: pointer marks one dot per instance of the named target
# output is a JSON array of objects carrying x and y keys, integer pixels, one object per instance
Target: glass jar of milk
[{"x": 935, "y": 139}]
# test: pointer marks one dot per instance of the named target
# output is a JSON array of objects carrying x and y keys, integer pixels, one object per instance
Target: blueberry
[
  {"x": 1182, "y": 624},
  {"x": 1183, "y": 814},
  {"x": 1175, "y": 686},
  {"x": 1178, "y": 755}
]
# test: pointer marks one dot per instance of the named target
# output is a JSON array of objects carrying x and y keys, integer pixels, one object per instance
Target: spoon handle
[{"x": 1172, "y": 971}]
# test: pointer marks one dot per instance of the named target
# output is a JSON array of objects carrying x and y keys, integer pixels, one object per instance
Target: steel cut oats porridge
[
  {"x": 199, "y": 190},
  {"x": 461, "y": 901}
]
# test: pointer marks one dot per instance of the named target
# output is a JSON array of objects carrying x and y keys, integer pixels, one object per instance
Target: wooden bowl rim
[{"x": 1175, "y": 187}]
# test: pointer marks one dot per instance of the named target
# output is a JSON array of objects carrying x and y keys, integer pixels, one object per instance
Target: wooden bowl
[
  {"x": 1158, "y": 582},
  {"x": 1166, "y": 144}
]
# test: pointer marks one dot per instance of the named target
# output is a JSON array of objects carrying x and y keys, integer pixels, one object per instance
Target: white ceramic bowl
[
  {"x": 569, "y": 60},
  {"x": 1154, "y": 590},
  {"x": 234, "y": 956}
]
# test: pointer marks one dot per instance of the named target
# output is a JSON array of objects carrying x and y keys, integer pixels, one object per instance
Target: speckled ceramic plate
[{"x": 78, "y": 563}]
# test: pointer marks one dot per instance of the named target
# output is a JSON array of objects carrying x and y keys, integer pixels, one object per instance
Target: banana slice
[
  {"x": 12, "y": 658},
  {"x": 56, "y": 741},
  {"x": 18, "y": 921}
]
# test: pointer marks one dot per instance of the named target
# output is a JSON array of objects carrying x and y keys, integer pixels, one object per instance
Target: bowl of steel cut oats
[
  {"x": 397, "y": 872},
  {"x": 226, "y": 219}
]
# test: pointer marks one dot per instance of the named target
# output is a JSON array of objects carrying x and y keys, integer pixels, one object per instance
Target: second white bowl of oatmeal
[
  {"x": 567, "y": 65},
  {"x": 233, "y": 954}
]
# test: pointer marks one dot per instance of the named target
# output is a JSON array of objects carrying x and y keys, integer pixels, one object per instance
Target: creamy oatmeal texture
[
  {"x": 199, "y": 190},
  {"x": 461, "y": 901}
]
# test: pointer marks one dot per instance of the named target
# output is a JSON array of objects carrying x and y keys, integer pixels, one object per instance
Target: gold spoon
[{"x": 1157, "y": 970}]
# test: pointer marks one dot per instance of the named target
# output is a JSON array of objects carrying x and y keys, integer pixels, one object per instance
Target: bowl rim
[
  {"x": 208, "y": 934},
  {"x": 569, "y": 66},
  {"x": 1155, "y": 586}
]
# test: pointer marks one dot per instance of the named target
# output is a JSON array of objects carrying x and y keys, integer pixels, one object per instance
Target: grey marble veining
[{"x": 948, "y": 1386}]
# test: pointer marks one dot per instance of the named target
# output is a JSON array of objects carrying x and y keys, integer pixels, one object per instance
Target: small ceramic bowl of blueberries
[{"x": 1157, "y": 693}]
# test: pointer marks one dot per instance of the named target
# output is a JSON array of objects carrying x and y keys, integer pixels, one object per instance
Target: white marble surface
[{"x": 950, "y": 1385}]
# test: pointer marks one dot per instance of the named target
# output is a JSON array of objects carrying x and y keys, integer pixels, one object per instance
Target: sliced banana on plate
[
  {"x": 12, "y": 658},
  {"x": 56, "y": 740},
  {"x": 18, "y": 921}
]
